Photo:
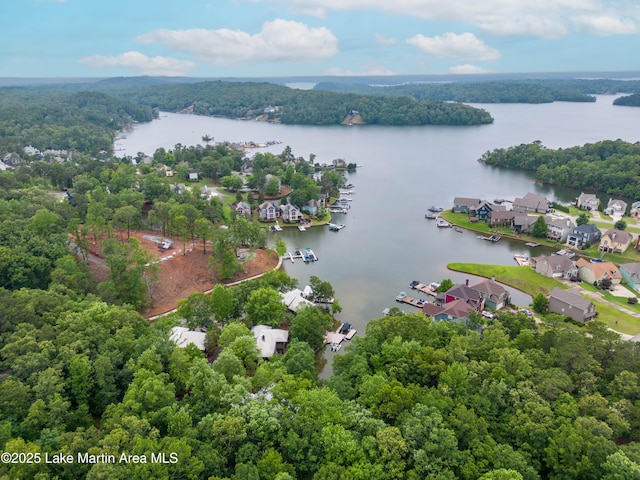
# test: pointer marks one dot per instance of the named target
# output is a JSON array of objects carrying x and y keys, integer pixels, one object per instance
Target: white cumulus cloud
[
  {"x": 279, "y": 40},
  {"x": 605, "y": 24},
  {"x": 540, "y": 18},
  {"x": 382, "y": 40},
  {"x": 467, "y": 69},
  {"x": 464, "y": 46},
  {"x": 142, "y": 64}
]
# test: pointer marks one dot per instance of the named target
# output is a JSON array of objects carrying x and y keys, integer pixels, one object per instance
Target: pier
[
  {"x": 428, "y": 289},
  {"x": 415, "y": 302},
  {"x": 306, "y": 255},
  {"x": 522, "y": 260}
]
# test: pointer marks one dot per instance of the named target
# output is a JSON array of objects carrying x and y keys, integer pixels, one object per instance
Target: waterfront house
[
  {"x": 454, "y": 311},
  {"x": 183, "y": 337},
  {"x": 590, "y": 272},
  {"x": 615, "y": 241},
  {"x": 294, "y": 300},
  {"x": 571, "y": 304},
  {"x": 587, "y": 201},
  {"x": 631, "y": 274},
  {"x": 522, "y": 223},
  {"x": 584, "y": 235},
  {"x": 495, "y": 295},
  {"x": 483, "y": 211},
  {"x": 531, "y": 203},
  {"x": 500, "y": 218},
  {"x": 267, "y": 211},
  {"x": 270, "y": 340},
  {"x": 243, "y": 209},
  {"x": 615, "y": 207},
  {"x": 465, "y": 205},
  {"x": 290, "y": 213},
  {"x": 462, "y": 292},
  {"x": 555, "y": 266},
  {"x": 313, "y": 205},
  {"x": 558, "y": 229}
]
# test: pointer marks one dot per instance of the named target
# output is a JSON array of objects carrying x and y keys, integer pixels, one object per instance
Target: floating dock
[
  {"x": 442, "y": 223},
  {"x": 522, "y": 260},
  {"x": 428, "y": 289},
  {"x": 415, "y": 302},
  {"x": 532, "y": 244}
]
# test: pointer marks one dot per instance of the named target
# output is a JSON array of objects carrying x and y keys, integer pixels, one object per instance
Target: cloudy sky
[{"x": 245, "y": 38}]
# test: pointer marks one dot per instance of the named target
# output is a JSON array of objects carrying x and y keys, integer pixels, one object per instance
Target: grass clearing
[
  {"x": 615, "y": 319},
  {"x": 607, "y": 226},
  {"x": 522, "y": 278}
]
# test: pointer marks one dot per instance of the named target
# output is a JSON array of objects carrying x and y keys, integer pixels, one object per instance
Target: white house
[{"x": 182, "y": 337}]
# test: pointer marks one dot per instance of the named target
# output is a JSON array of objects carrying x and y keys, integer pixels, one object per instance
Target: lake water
[{"x": 403, "y": 170}]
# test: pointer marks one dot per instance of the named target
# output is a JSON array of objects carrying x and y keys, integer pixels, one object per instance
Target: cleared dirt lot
[{"x": 181, "y": 275}]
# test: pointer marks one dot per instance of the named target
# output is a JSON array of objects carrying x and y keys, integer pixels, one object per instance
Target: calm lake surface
[{"x": 402, "y": 171}]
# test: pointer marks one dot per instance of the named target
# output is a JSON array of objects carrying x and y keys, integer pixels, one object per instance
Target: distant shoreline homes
[{"x": 525, "y": 211}]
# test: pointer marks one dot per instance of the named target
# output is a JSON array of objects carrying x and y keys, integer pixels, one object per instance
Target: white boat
[{"x": 301, "y": 228}]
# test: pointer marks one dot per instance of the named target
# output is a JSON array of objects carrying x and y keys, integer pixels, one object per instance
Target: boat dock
[
  {"x": 306, "y": 255},
  {"x": 336, "y": 338},
  {"x": 442, "y": 223},
  {"x": 338, "y": 210},
  {"x": 522, "y": 260},
  {"x": 428, "y": 289},
  {"x": 415, "y": 302},
  {"x": 492, "y": 238},
  {"x": 532, "y": 244}
]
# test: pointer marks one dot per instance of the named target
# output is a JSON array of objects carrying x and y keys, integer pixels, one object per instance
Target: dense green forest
[
  {"x": 48, "y": 118},
  {"x": 480, "y": 92},
  {"x": 248, "y": 99},
  {"x": 628, "y": 100},
  {"x": 611, "y": 166},
  {"x": 507, "y": 91}
]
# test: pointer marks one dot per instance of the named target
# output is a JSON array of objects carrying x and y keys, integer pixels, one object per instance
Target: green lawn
[
  {"x": 607, "y": 226},
  {"x": 522, "y": 278},
  {"x": 462, "y": 220},
  {"x": 615, "y": 319},
  {"x": 629, "y": 256}
]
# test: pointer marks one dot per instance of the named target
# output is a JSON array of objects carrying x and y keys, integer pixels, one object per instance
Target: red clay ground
[{"x": 182, "y": 275}]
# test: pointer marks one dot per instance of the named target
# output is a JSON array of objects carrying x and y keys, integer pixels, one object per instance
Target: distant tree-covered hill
[
  {"x": 59, "y": 119},
  {"x": 480, "y": 92},
  {"x": 628, "y": 100},
  {"x": 249, "y": 99},
  {"x": 611, "y": 166}
]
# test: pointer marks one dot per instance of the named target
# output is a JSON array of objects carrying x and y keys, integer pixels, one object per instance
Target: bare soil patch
[{"x": 182, "y": 274}]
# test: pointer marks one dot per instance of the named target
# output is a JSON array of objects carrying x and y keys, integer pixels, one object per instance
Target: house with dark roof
[
  {"x": 522, "y": 223},
  {"x": 630, "y": 272},
  {"x": 571, "y": 304},
  {"x": 531, "y": 203},
  {"x": 597, "y": 271},
  {"x": 587, "y": 201},
  {"x": 462, "y": 292},
  {"x": 584, "y": 235},
  {"x": 615, "y": 241},
  {"x": 501, "y": 218},
  {"x": 454, "y": 311},
  {"x": 483, "y": 211},
  {"x": 465, "y": 205},
  {"x": 495, "y": 295},
  {"x": 558, "y": 229},
  {"x": 555, "y": 266}
]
